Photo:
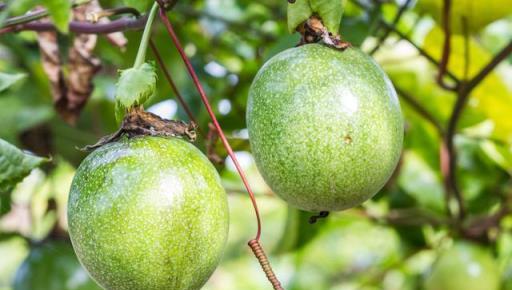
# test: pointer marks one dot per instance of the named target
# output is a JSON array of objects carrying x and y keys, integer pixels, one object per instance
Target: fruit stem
[{"x": 141, "y": 53}]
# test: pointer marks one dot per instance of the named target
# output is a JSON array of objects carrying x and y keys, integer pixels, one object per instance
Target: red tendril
[
  {"x": 254, "y": 244},
  {"x": 206, "y": 103}
]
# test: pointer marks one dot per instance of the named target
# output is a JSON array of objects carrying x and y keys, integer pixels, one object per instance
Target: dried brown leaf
[
  {"x": 51, "y": 62},
  {"x": 71, "y": 92},
  {"x": 117, "y": 38}
]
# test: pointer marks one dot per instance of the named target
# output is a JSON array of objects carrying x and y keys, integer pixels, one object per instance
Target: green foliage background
[{"x": 390, "y": 242}]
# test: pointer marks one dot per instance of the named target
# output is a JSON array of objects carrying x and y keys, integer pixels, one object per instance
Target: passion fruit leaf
[
  {"x": 330, "y": 11},
  {"x": 15, "y": 165},
  {"x": 7, "y": 80},
  {"x": 19, "y": 114},
  {"x": 60, "y": 13},
  {"x": 135, "y": 86},
  {"x": 499, "y": 153},
  {"x": 298, "y": 12},
  {"x": 421, "y": 181}
]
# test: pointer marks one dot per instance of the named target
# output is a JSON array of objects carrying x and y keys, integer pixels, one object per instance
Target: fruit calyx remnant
[
  {"x": 138, "y": 122},
  {"x": 313, "y": 31}
]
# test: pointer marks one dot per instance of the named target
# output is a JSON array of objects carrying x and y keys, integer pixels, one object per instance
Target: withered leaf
[
  {"x": 51, "y": 62},
  {"x": 71, "y": 92}
]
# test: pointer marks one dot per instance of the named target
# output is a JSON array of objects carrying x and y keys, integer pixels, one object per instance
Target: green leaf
[
  {"x": 135, "y": 86},
  {"x": 19, "y": 114},
  {"x": 421, "y": 182},
  {"x": 15, "y": 165},
  {"x": 5, "y": 204},
  {"x": 60, "y": 13},
  {"x": 141, "y": 5},
  {"x": 330, "y": 11},
  {"x": 7, "y": 80},
  {"x": 499, "y": 154},
  {"x": 298, "y": 12}
]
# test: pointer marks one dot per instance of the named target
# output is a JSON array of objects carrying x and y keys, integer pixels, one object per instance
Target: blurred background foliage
[{"x": 390, "y": 242}]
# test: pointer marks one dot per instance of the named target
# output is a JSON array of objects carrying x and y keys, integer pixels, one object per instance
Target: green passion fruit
[
  {"x": 465, "y": 266},
  {"x": 148, "y": 213},
  {"x": 325, "y": 126}
]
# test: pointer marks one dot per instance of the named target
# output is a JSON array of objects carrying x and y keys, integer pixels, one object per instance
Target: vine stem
[
  {"x": 141, "y": 54},
  {"x": 83, "y": 27},
  {"x": 445, "y": 56},
  {"x": 254, "y": 244},
  {"x": 387, "y": 29},
  {"x": 405, "y": 37},
  {"x": 36, "y": 15},
  {"x": 206, "y": 102},
  {"x": 171, "y": 82}
]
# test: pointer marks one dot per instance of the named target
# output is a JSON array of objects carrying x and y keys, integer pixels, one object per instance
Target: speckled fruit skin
[
  {"x": 325, "y": 126},
  {"x": 52, "y": 266},
  {"x": 148, "y": 213},
  {"x": 465, "y": 266}
]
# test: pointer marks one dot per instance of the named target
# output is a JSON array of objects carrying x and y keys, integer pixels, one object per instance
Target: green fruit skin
[
  {"x": 148, "y": 213},
  {"x": 465, "y": 266},
  {"x": 52, "y": 266},
  {"x": 325, "y": 126}
]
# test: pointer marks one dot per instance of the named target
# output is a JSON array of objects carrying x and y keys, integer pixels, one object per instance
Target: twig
[
  {"x": 206, "y": 102},
  {"x": 122, "y": 24},
  {"x": 467, "y": 49},
  {"x": 254, "y": 243},
  {"x": 502, "y": 55},
  {"x": 463, "y": 95},
  {"x": 479, "y": 228},
  {"x": 96, "y": 16},
  {"x": 445, "y": 56},
  {"x": 31, "y": 16},
  {"x": 403, "y": 36},
  {"x": 447, "y": 154},
  {"x": 406, "y": 217},
  {"x": 171, "y": 82},
  {"x": 387, "y": 30},
  {"x": 35, "y": 15},
  {"x": 420, "y": 109}
]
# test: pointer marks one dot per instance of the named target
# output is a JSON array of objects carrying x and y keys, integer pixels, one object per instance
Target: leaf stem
[{"x": 141, "y": 54}]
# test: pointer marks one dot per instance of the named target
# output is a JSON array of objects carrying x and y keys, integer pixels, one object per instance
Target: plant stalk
[{"x": 141, "y": 53}]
